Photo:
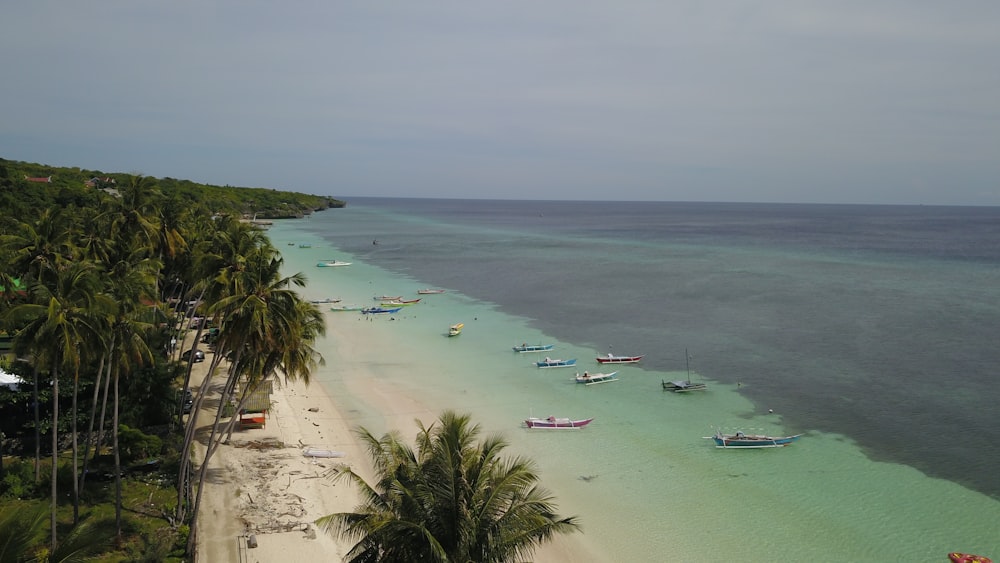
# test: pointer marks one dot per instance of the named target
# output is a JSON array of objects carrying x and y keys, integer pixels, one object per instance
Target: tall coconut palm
[
  {"x": 452, "y": 500},
  {"x": 36, "y": 250},
  {"x": 58, "y": 318},
  {"x": 260, "y": 320}
]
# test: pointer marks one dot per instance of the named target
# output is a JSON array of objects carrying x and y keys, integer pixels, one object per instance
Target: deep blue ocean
[{"x": 878, "y": 323}]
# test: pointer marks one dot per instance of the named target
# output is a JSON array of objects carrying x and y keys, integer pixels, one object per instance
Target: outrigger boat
[
  {"x": 399, "y": 302},
  {"x": 331, "y": 263},
  {"x": 388, "y": 298},
  {"x": 553, "y": 423},
  {"x": 550, "y": 363},
  {"x": 429, "y": 291},
  {"x": 377, "y": 310},
  {"x": 523, "y": 348},
  {"x": 749, "y": 441},
  {"x": 341, "y": 308},
  {"x": 613, "y": 359},
  {"x": 322, "y": 301},
  {"x": 594, "y": 378},
  {"x": 456, "y": 329}
]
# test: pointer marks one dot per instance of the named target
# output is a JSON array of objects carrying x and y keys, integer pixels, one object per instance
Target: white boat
[
  {"x": 455, "y": 329},
  {"x": 429, "y": 291},
  {"x": 322, "y": 301},
  {"x": 312, "y": 451},
  {"x": 331, "y": 263},
  {"x": 594, "y": 378}
]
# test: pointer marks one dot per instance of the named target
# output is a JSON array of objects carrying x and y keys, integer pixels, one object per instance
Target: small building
[{"x": 47, "y": 180}]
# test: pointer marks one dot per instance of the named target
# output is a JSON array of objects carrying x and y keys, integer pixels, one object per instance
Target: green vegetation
[
  {"x": 452, "y": 499},
  {"x": 84, "y": 188},
  {"x": 96, "y": 280}
]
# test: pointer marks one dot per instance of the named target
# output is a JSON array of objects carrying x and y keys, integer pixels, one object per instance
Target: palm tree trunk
[
  {"x": 209, "y": 450},
  {"x": 104, "y": 408},
  {"x": 90, "y": 424},
  {"x": 55, "y": 456},
  {"x": 118, "y": 466},
  {"x": 183, "y": 472},
  {"x": 76, "y": 482},
  {"x": 38, "y": 432}
]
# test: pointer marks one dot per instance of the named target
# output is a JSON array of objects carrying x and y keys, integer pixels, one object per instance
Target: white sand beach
[{"x": 262, "y": 484}]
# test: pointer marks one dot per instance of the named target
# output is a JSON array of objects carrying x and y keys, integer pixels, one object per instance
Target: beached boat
[
  {"x": 455, "y": 329},
  {"x": 594, "y": 378},
  {"x": 550, "y": 363},
  {"x": 749, "y": 441},
  {"x": 524, "y": 348},
  {"x": 388, "y": 298},
  {"x": 311, "y": 451},
  {"x": 341, "y": 308},
  {"x": 429, "y": 291},
  {"x": 613, "y": 359},
  {"x": 553, "y": 423},
  {"x": 957, "y": 557},
  {"x": 377, "y": 310},
  {"x": 399, "y": 302},
  {"x": 322, "y": 301},
  {"x": 331, "y": 263},
  {"x": 683, "y": 386}
]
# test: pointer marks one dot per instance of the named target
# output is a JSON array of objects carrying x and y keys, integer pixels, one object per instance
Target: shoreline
[{"x": 261, "y": 484}]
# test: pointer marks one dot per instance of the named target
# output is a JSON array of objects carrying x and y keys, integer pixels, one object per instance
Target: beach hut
[{"x": 254, "y": 411}]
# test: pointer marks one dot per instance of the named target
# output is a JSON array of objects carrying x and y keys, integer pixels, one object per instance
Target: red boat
[
  {"x": 957, "y": 557},
  {"x": 613, "y": 359}
]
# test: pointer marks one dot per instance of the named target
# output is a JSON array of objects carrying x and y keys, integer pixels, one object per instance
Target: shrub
[{"x": 134, "y": 444}]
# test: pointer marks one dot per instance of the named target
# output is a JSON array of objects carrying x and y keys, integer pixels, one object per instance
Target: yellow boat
[{"x": 455, "y": 329}]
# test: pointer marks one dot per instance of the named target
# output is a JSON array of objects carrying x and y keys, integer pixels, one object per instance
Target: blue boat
[
  {"x": 533, "y": 348},
  {"x": 376, "y": 310},
  {"x": 749, "y": 441},
  {"x": 550, "y": 363}
]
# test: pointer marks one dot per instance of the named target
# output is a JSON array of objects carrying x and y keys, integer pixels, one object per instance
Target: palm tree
[
  {"x": 453, "y": 500},
  {"x": 58, "y": 318},
  {"x": 267, "y": 328},
  {"x": 35, "y": 251}
]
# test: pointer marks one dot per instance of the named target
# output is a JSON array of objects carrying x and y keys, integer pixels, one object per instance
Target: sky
[{"x": 886, "y": 102}]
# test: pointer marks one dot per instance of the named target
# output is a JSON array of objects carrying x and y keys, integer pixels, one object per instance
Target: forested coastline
[{"x": 101, "y": 274}]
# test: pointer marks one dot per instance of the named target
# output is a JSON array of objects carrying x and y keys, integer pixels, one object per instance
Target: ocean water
[{"x": 871, "y": 329}]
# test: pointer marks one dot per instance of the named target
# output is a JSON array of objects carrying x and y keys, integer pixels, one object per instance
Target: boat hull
[
  {"x": 553, "y": 423},
  {"x": 556, "y": 363},
  {"x": 609, "y": 359},
  {"x": 751, "y": 441},
  {"x": 429, "y": 291},
  {"x": 683, "y": 386},
  {"x": 378, "y": 310},
  {"x": 525, "y": 348},
  {"x": 596, "y": 378}
]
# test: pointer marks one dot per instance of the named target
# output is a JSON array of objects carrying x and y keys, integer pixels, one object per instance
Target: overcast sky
[{"x": 893, "y": 101}]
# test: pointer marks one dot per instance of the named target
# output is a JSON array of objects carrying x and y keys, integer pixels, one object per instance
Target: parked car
[
  {"x": 199, "y": 356},
  {"x": 188, "y": 402}
]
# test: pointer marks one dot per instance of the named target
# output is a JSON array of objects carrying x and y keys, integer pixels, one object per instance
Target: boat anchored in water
[
  {"x": 554, "y": 423},
  {"x": 524, "y": 348},
  {"x": 613, "y": 359},
  {"x": 594, "y": 378},
  {"x": 455, "y": 329},
  {"x": 550, "y": 363},
  {"x": 741, "y": 440}
]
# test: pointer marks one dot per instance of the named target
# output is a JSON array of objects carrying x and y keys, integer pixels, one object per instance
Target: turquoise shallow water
[{"x": 645, "y": 484}]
